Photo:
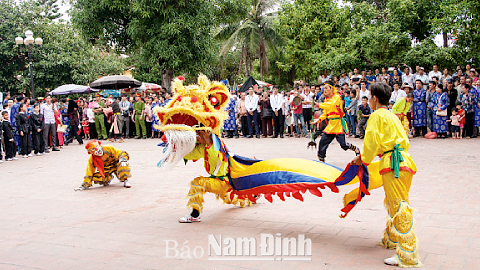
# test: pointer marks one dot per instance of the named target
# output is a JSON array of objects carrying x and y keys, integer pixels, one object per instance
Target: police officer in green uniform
[
  {"x": 100, "y": 118},
  {"x": 139, "y": 118}
]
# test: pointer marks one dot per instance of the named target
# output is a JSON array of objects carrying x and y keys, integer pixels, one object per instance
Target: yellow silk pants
[
  {"x": 400, "y": 231},
  {"x": 201, "y": 185}
]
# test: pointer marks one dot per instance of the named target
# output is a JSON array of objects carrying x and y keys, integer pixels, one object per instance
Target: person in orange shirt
[{"x": 336, "y": 126}]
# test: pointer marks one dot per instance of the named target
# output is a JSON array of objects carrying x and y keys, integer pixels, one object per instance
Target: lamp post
[{"x": 29, "y": 41}]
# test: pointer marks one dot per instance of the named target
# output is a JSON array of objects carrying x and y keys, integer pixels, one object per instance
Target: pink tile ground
[{"x": 44, "y": 224}]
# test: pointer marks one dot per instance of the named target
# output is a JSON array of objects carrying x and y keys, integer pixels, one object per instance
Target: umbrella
[
  {"x": 149, "y": 86},
  {"x": 115, "y": 82},
  {"x": 68, "y": 89},
  {"x": 249, "y": 82}
]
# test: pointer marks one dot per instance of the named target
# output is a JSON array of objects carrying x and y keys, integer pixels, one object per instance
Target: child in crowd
[
  {"x": 364, "y": 108},
  {"x": 10, "y": 147},
  {"x": 461, "y": 117},
  {"x": 352, "y": 113},
  {"x": 23, "y": 127},
  {"x": 85, "y": 127},
  {"x": 37, "y": 124},
  {"x": 455, "y": 124}
]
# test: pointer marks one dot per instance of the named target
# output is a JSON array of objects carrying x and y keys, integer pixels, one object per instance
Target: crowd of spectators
[{"x": 445, "y": 103}]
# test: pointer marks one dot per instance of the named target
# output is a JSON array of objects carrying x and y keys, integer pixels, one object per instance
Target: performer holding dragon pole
[
  {"x": 386, "y": 137},
  {"x": 336, "y": 125}
]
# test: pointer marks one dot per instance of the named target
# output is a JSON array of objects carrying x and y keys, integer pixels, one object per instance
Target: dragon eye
[{"x": 213, "y": 101}]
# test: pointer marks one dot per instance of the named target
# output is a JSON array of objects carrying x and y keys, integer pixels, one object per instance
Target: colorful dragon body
[{"x": 238, "y": 180}]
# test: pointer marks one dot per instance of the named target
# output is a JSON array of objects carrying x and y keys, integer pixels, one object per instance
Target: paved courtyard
[{"x": 44, "y": 224}]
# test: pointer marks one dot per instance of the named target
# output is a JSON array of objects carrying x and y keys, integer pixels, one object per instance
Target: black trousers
[
  {"x": 25, "y": 144},
  {"x": 38, "y": 142},
  {"x": 244, "y": 120},
  {"x": 92, "y": 130},
  {"x": 10, "y": 149},
  {"x": 278, "y": 123},
  {"x": 148, "y": 127},
  {"x": 418, "y": 129},
  {"x": 327, "y": 139},
  {"x": 307, "y": 117},
  {"x": 73, "y": 133},
  {"x": 469, "y": 118},
  {"x": 253, "y": 118}
]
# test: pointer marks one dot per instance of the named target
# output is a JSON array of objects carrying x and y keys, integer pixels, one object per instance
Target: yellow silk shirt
[
  {"x": 383, "y": 132},
  {"x": 401, "y": 106},
  {"x": 332, "y": 111},
  {"x": 214, "y": 163}
]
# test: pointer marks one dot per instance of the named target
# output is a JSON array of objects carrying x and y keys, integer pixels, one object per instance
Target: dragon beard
[{"x": 179, "y": 144}]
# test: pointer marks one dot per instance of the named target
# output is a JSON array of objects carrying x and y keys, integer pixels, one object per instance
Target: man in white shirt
[
  {"x": 251, "y": 103},
  {"x": 422, "y": 77},
  {"x": 307, "y": 97},
  {"x": 435, "y": 73},
  {"x": 362, "y": 93},
  {"x": 48, "y": 111},
  {"x": 276, "y": 101},
  {"x": 356, "y": 78},
  {"x": 396, "y": 93},
  {"x": 407, "y": 77}
]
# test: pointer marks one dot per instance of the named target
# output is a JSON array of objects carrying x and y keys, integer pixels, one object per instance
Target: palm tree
[{"x": 253, "y": 34}]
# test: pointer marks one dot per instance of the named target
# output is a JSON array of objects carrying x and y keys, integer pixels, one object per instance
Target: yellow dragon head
[{"x": 195, "y": 107}]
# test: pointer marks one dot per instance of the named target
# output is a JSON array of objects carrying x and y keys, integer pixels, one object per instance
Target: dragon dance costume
[
  {"x": 400, "y": 109},
  {"x": 103, "y": 163},
  {"x": 235, "y": 179},
  {"x": 197, "y": 109}
]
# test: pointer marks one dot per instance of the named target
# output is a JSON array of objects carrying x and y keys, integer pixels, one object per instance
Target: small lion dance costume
[
  {"x": 191, "y": 122},
  {"x": 102, "y": 163}
]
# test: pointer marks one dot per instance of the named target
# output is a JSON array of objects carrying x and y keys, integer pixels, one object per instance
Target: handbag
[
  {"x": 441, "y": 113},
  {"x": 267, "y": 112},
  {"x": 62, "y": 128}
]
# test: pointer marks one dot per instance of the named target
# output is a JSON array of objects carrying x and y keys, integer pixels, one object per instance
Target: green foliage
[{"x": 63, "y": 58}]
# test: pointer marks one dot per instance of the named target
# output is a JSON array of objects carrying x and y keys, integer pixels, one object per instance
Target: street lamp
[{"x": 29, "y": 41}]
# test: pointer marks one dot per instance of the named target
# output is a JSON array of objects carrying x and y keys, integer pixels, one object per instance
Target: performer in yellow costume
[
  {"x": 105, "y": 161},
  {"x": 385, "y": 137},
  {"x": 400, "y": 109},
  {"x": 336, "y": 125}
]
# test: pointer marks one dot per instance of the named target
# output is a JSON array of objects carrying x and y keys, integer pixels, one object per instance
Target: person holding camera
[{"x": 124, "y": 117}]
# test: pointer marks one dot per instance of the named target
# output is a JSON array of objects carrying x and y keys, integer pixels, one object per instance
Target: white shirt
[
  {"x": 361, "y": 95},
  {"x": 48, "y": 113},
  {"x": 432, "y": 74},
  {"x": 251, "y": 102},
  {"x": 91, "y": 116},
  {"x": 276, "y": 101},
  {"x": 396, "y": 94},
  {"x": 410, "y": 79},
  {"x": 423, "y": 78},
  {"x": 308, "y": 98}
]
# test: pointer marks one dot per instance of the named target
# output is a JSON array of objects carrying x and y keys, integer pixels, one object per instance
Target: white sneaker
[
  {"x": 14, "y": 158},
  {"x": 188, "y": 219},
  {"x": 38, "y": 154},
  {"x": 80, "y": 188},
  {"x": 391, "y": 261},
  {"x": 30, "y": 155},
  {"x": 126, "y": 184},
  {"x": 8, "y": 159},
  {"x": 24, "y": 156},
  {"x": 1, "y": 160}
]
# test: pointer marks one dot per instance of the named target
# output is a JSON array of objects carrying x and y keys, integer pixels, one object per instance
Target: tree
[
  {"x": 162, "y": 36},
  {"x": 63, "y": 58},
  {"x": 254, "y": 34}
]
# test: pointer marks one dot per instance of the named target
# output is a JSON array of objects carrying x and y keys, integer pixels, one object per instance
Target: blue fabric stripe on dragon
[{"x": 192, "y": 121}]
